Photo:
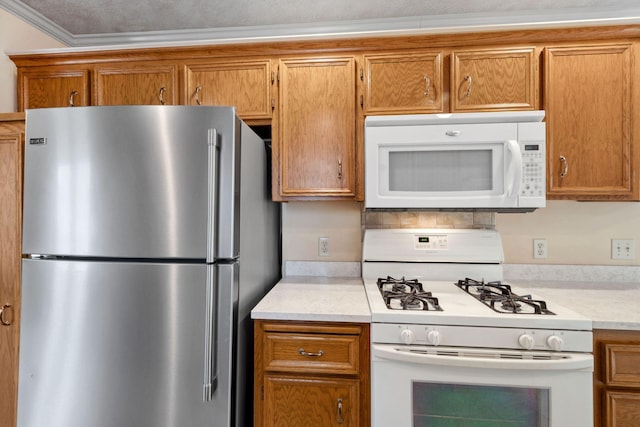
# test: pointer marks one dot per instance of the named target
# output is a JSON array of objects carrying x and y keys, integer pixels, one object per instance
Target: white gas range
[{"x": 444, "y": 323}]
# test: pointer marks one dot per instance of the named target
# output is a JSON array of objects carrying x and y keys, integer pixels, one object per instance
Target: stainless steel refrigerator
[{"x": 148, "y": 236}]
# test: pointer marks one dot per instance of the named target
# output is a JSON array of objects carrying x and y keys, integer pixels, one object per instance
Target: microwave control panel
[{"x": 533, "y": 169}]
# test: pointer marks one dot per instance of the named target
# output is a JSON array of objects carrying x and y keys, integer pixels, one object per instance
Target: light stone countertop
[
  {"x": 608, "y": 305},
  {"x": 323, "y": 299}
]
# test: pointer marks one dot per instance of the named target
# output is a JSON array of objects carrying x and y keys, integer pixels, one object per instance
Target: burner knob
[
  {"x": 526, "y": 341},
  {"x": 433, "y": 337},
  {"x": 555, "y": 342},
  {"x": 407, "y": 336}
]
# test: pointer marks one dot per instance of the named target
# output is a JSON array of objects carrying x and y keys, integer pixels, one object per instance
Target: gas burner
[
  {"x": 406, "y": 294},
  {"x": 499, "y": 297}
]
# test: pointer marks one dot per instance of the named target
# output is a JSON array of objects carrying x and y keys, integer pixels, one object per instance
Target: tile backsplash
[{"x": 428, "y": 219}]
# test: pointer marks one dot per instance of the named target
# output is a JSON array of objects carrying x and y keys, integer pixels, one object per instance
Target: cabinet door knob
[
  {"x": 2, "y": 311},
  {"x": 339, "y": 418},
  {"x": 469, "y": 81},
  {"x": 565, "y": 166},
  {"x": 161, "y": 94},
  {"x": 72, "y": 96},
  {"x": 198, "y": 90},
  {"x": 427, "y": 89}
]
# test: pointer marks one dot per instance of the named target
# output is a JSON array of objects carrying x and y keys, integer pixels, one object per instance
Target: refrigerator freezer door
[
  {"x": 130, "y": 181},
  {"x": 121, "y": 344}
]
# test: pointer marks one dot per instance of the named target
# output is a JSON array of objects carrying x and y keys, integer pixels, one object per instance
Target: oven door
[
  {"x": 443, "y": 166},
  {"x": 444, "y": 387}
]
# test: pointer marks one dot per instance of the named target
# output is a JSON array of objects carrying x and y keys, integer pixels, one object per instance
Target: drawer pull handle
[
  {"x": 307, "y": 354},
  {"x": 340, "y": 419}
]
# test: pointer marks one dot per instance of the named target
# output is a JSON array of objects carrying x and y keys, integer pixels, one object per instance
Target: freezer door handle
[
  {"x": 210, "y": 365},
  {"x": 213, "y": 148}
]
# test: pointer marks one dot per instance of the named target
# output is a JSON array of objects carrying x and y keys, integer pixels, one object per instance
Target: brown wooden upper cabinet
[
  {"x": 314, "y": 135},
  {"x": 591, "y": 113},
  {"x": 245, "y": 85},
  {"x": 403, "y": 83},
  {"x": 135, "y": 84},
  {"x": 52, "y": 87},
  {"x": 493, "y": 79}
]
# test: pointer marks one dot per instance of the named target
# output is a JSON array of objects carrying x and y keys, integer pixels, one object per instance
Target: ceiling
[{"x": 100, "y": 22}]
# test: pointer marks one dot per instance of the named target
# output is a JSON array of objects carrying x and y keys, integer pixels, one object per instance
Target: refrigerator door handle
[
  {"x": 213, "y": 148},
  {"x": 210, "y": 365}
]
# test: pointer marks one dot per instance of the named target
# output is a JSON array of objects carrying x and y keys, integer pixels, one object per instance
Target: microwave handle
[{"x": 514, "y": 170}]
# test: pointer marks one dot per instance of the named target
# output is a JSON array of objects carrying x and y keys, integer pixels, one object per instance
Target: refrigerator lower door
[{"x": 107, "y": 344}]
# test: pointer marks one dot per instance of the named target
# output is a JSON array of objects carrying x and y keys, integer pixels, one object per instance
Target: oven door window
[{"x": 453, "y": 405}]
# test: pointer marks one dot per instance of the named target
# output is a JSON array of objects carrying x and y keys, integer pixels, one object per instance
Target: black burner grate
[
  {"x": 406, "y": 294},
  {"x": 501, "y": 298}
]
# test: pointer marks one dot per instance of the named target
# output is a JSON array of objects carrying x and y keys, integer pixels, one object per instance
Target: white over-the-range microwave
[{"x": 485, "y": 161}]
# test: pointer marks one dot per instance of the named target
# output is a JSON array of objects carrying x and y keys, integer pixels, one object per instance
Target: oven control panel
[
  {"x": 482, "y": 337},
  {"x": 431, "y": 242}
]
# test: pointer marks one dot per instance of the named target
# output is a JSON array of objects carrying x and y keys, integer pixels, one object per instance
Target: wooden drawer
[
  {"x": 317, "y": 353},
  {"x": 622, "y": 362}
]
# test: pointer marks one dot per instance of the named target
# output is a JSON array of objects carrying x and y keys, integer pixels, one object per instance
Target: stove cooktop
[{"x": 453, "y": 305}]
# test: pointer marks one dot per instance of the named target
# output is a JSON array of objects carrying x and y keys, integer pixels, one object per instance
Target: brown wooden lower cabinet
[
  {"x": 617, "y": 378},
  {"x": 11, "y": 144},
  {"x": 311, "y": 374}
]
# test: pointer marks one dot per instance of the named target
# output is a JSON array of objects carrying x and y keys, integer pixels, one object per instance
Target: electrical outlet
[
  {"x": 622, "y": 249},
  {"x": 540, "y": 248},
  {"x": 323, "y": 246}
]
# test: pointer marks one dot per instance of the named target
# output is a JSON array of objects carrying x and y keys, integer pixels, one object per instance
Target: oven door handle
[{"x": 485, "y": 358}]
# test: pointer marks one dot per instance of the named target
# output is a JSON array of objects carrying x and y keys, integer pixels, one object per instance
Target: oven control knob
[
  {"x": 555, "y": 342},
  {"x": 526, "y": 341},
  {"x": 407, "y": 336},
  {"x": 433, "y": 337}
]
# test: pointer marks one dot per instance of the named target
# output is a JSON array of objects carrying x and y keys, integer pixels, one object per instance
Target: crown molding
[{"x": 436, "y": 24}]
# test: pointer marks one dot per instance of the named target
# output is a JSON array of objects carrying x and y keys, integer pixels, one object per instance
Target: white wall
[
  {"x": 576, "y": 232},
  {"x": 16, "y": 35}
]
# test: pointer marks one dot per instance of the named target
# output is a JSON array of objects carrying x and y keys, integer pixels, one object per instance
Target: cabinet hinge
[
  {"x": 273, "y": 77},
  {"x": 278, "y": 75},
  {"x": 273, "y": 104},
  {"x": 362, "y": 101},
  {"x": 361, "y": 74}
]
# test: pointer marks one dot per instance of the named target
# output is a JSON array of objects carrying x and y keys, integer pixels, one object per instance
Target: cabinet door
[
  {"x": 315, "y": 138},
  {"x": 486, "y": 80},
  {"x": 310, "y": 401},
  {"x": 403, "y": 83},
  {"x": 11, "y": 141},
  {"x": 622, "y": 408},
  {"x": 244, "y": 85},
  {"x": 589, "y": 114},
  {"x": 139, "y": 84},
  {"x": 53, "y": 87}
]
